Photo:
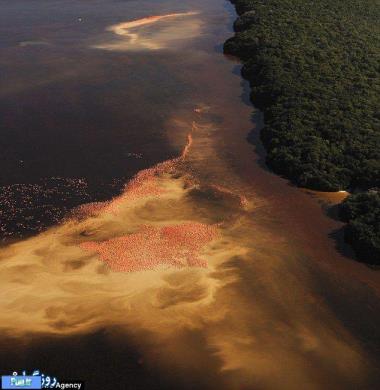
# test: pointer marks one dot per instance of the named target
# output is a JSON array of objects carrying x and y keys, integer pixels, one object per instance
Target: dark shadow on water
[
  {"x": 357, "y": 308},
  {"x": 218, "y": 48},
  {"x": 254, "y": 138},
  {"x": 90, "y": 358},
  {"x": 333, "y": 212},
  {"x": 237, "y": 71},
  {"x": 102, "y": 360},
  {"x": 346, "y": 250},
  {"x": 340, "y": 245}
]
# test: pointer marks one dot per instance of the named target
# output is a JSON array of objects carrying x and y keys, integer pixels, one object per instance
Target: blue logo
[
  {"x": 36, "y": 380},
  {"x": 21, "y": 382}
]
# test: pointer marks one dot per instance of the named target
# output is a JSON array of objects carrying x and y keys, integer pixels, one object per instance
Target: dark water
[
  {"x": 75, "y": 122},
  {"x": 86, "y": 103}
]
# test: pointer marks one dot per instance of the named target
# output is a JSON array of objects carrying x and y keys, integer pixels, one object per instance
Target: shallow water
[{"x": 206, "y": 271}]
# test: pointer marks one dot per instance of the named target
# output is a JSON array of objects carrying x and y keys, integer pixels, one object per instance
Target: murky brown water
[{"x": 207, "y": 271}]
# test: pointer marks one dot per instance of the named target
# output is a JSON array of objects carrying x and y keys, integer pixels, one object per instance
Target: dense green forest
[
  {"x": 313, "y": 67},
  {"x": 362, "y": 212}
]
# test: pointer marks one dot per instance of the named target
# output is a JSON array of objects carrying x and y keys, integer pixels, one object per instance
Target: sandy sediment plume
[
  {"x": 176, "y": 257},
  {"x": 169, "y": 30}
]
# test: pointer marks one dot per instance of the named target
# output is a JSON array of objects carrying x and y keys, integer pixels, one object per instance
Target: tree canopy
[{"x": 313, "y": 68}]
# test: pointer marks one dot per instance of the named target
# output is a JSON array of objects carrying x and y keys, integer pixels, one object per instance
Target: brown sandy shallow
[{"x": 256, "y": 296}]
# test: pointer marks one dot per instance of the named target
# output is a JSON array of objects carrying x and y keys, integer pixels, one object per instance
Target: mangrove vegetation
[{"x": 313, "y": 68}]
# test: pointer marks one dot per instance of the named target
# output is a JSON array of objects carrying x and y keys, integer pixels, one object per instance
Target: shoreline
[{"x": 294, "y": 148}]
